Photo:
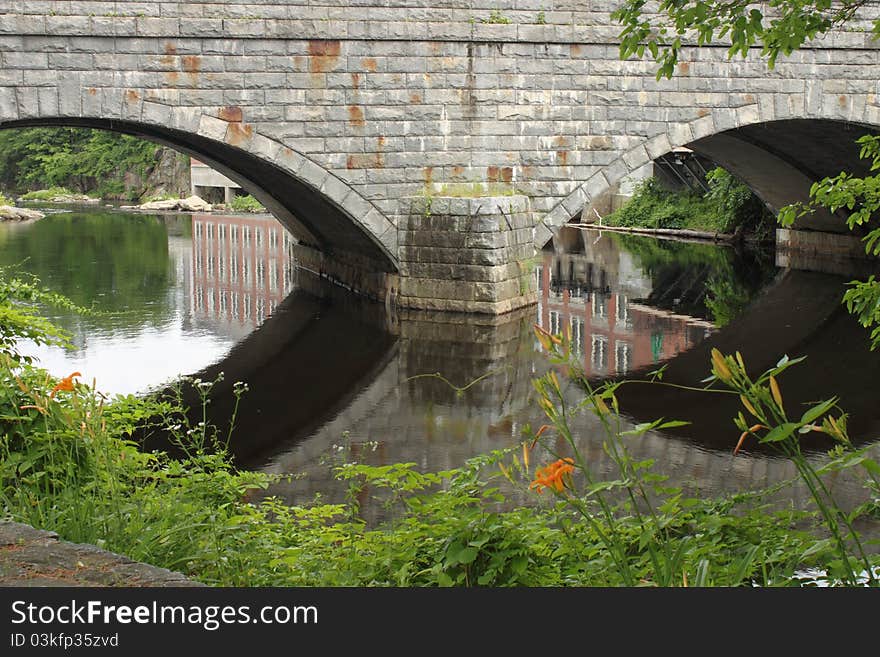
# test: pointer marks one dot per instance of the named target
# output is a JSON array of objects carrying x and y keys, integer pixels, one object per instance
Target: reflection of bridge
[
  {"x": 317, "y": 370},
  {"x": 336, "y": 118}
]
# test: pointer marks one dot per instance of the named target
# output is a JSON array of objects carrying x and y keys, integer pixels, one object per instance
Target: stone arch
[
  {"x": 321, "y": 209},
  {"x": 718, "y": 124}
]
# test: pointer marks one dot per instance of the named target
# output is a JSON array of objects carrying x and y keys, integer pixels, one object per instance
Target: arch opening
[
  {"x": 310, "y": 215},
  {"x": 780, "y": 160}
]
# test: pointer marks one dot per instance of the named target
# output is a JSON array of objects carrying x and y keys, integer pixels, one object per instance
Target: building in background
[{"x": 211, "y": 185}]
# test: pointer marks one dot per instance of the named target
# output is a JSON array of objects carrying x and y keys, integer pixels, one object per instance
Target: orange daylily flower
[
  {"x": 66, "y": 384},
  {"x": 551, "y": 476}
]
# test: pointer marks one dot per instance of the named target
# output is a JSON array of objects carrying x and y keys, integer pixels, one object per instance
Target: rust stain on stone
[
  {"x": 365, "y": 161},
  {"x": 92, "y": 91},
  {"x": 842, "y": 101},
  {"x": 561, "y": 141},
  {"x": 369, "y": 64},
  {"x": 132, "y": 96},
  {"x": 355, "y": 116},
  {"x": 167, "y": 61},
  {"x": 684, "y": 68},
  {"x": 323, "y": 55},
  {"x": 562, "y": 156},
  {"x": 750, "y": 98},
  {"x": 457, "y": 171},
  {"x": 428, "y": 175},
  {"x": 575, "y": 50},
  {"x": 415, "y": 98},
  {"x": 356, "y": 81},
  {"x": 238, "y": 133},
  {"x": 170, "y": 48},
  {"x": 380, "y": 142},
  {"x": 499, "y": 174},
  {"x": 192, "y": 63},
  {"x": 171, "y": 77},
  {"x": 703, "y": 112},
  {"x": 527, "y": 172},
  {"x": 230, "y": 113}
]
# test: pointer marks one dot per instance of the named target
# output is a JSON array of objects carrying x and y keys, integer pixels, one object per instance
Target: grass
[{"x": 47, "y": 194}]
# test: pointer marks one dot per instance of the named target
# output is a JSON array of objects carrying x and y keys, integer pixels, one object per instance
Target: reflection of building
[
  {"x": 241, "y": 268},
  {"x": 589, "y": 297}
]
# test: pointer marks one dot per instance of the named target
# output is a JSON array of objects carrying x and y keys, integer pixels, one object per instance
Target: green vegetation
[
  {"x": 786, "y": 27},
  {"x": 70, "y": 463},
  {"x": 246, "y": 203},
  {"x": 80, "y": 159},
  {"x": 859, "y": 196},
  {"x": 727, "y": 206},
  {"x": 46, "y": 194},
  {"x": 496, "y": 18}
]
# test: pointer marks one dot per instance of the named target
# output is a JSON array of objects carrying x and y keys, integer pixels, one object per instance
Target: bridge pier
[{"x": 473, "y": 255}]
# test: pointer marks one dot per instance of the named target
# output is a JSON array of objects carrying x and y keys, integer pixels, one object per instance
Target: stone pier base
[
  {"x": 830, "y": 253},
  {"x": 472, "y": 255}
]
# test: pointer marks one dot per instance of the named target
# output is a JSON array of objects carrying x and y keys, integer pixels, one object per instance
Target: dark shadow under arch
[{"x": 780, "y": 160}]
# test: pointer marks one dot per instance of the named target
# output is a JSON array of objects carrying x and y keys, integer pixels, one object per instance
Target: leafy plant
[
  {"x": 726, "y": 206},
  {"x": 636, "y": 500},
  {"x": 496, "y": 17},
  {"x": 246, "y": 203},
  {"x": 861, "y": 196}
]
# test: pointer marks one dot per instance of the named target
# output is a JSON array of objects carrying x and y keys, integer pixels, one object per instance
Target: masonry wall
[
  {"x": 373, "y": 102},
  {"x": 468, "y": 255}
]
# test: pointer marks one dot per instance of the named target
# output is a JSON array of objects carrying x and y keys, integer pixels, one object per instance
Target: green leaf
[
  {"x": 779, "y": 433},
  {"x": 818, "y": 410}
]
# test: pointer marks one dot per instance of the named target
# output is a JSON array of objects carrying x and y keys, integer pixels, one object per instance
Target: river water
[{"x": 332, "y": 377}]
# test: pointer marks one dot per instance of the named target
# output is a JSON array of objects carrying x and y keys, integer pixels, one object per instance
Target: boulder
[
  {"x": 195, "y": 204},
  {"x": 189, "y": 204},
  {"x": 10, "y": 213}
]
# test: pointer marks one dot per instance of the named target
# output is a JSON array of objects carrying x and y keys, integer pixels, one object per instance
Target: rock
[
  {"x": 166, "y": 205},
  {"x": 9, "y": 213},
  {"x": 189, "y": 204},
  {"x": 195, "y": 204}
]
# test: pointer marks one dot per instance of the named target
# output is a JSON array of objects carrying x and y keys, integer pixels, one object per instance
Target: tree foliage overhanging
[{"x": 778, "y": 27}]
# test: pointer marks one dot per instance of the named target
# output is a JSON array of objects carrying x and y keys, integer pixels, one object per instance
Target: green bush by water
[
  {"x": 727, "y": 206},
  {"x": 246, "y": 203}
]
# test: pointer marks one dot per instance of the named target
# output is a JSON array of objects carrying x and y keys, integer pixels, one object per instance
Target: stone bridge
[{"x": 354, "y": 121}]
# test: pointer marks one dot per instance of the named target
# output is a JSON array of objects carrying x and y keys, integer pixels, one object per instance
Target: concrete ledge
[{"x": 33, "y": 557}]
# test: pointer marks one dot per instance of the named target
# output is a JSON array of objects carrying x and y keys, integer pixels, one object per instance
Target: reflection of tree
[
  {"x": 116, "y": 262},
  {"x": 702, "y": 280}
]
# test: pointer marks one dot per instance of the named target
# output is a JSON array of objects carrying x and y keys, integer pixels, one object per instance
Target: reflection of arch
[
  {"x": 732, "y": 137},
  {"x": 317, "y": 207}
]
